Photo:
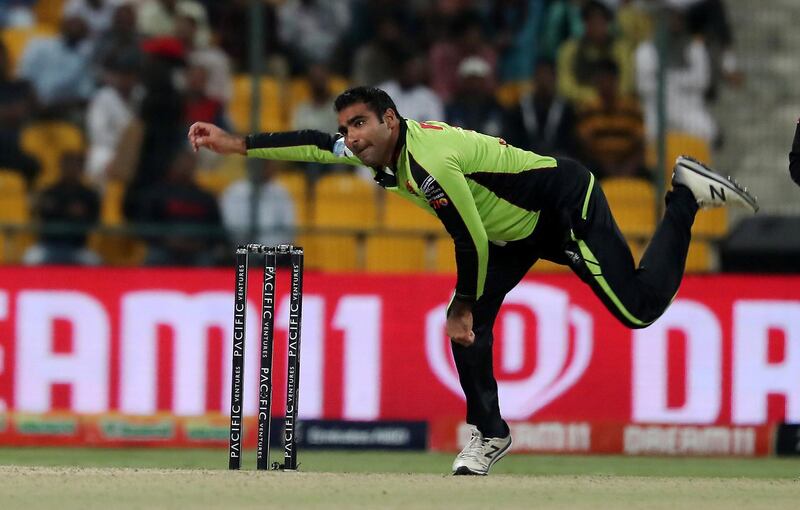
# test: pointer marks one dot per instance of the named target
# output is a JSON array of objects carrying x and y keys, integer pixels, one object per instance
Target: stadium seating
[
  {"x": 14, "y": 210},
  {"x": 331, "y": 252},
  {"x": 115, "y": 249},
  {"x": 344, "y": 201},
  {"x": 400, "y": 214},
  {"x": 387, "y": 253},
  {"x": 272, "y": 116},
  {"x": 48, "y": 12},
  {"x": 297, "y": 185},
  {"x": 633, "y": 204},
  {"x": 300, "y": 90},
  {"x": 47, "y": 141},
  {"x": 700, "y": 258}
]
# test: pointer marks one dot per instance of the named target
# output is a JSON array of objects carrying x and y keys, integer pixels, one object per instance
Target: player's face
[{"x": 367, "y": 136}]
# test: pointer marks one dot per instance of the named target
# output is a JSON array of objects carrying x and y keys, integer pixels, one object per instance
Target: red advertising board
[{"x": 149, "y": 341}]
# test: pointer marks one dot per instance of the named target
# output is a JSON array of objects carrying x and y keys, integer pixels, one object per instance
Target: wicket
[{"x": 267, "y": 344}]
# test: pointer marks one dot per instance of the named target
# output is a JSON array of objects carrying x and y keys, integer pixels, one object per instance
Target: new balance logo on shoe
[
  {"x": 709, "y": 188},
  {"x": 490, "y": 454}
]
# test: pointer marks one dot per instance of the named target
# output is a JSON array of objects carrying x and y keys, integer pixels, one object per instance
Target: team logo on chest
[{"x": 434, "y": 193}]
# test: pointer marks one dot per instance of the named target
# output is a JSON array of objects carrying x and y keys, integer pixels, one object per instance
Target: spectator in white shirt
[
  {"x": 59, "y": 68},
  {"x": 688, "y": 78},
  {"x": 275, "y": 216},
  {"x": 96, "y": 13},
  {"x": 110, "y": 114},
  {"x": 413, "y": 98}
]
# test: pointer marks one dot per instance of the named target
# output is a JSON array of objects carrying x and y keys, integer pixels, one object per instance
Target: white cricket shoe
[
  {"x": 480, "y": 454},
  {"x": 710, "y": 189}
]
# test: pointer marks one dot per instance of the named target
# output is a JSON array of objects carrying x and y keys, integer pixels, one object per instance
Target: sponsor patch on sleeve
[{"x": 434, "y": 193}]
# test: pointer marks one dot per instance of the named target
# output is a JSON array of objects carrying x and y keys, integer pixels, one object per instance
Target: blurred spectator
[
  {"x": 276, "y": 221},
  {"x": 59, "y": 68},
  {"x": 474, "y": 105},
  {"x": 543, "y": 121},
  {"x": 517, "y": 24},
  {"x": 97, "y": 14},
  {"x": 317, "y": 113},
  {"x": 231, "y": 20},
  {"x": 466, "y": 39},
  {"x": 413, "y": 98},
  {"x": 368, "y": 15},
  {"x": 375, "y": 62},
  {"x": 562, "y": 22},
  {"x": 579, "y": 58},
  {"x": 158, "y": 18},
  {"x": 634, "y": 22},
  {"x": 187, "y": 216},
  {"x": 163, "y": 115},
  {"x": 311, "y": 29},
  {"x": 66, "y": 210},
  {"x": 688, "y": 77},
  {"x": 17, "y": 13},
  {"x": 112, "y": 110},
  {"x": 709, "y": 20},
  {"x": 121, "y": 37},
  {"x": 200, "y": 107},
  {"x": 219, "y": 84},
  {"x": 610, "y": 128},
  {"x": 16, "y": 108}
]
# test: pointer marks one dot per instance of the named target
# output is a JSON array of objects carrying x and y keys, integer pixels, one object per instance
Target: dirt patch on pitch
[{"x": 30, "y": 488}]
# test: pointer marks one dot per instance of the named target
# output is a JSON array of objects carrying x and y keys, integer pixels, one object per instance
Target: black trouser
[{"x": 576, "y": 229}]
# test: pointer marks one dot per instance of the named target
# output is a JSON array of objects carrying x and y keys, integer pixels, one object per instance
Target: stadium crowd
[{"x": 574, "y": 78}]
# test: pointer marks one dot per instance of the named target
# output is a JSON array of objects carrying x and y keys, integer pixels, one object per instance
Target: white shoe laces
[{"x": 474, "y": 448}]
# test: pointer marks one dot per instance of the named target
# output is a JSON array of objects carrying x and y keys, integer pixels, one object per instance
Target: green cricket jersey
[{"x": 474, "y": 183}]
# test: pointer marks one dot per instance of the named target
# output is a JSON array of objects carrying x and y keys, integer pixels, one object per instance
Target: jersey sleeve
[
  {"x": 446, "y": 191},
  {"x": 305, "y": 145}
]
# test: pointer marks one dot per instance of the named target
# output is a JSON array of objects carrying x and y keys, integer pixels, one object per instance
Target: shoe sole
[
  {"x": 692, "y": 165},
  {"x": 465, "y": 471}
]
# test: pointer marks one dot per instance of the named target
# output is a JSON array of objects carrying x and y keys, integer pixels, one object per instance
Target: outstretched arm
[{"x": 306, "y": 145}]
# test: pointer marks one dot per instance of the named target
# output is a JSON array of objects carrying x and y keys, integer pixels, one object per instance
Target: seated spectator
[
  {"x": 611, "y": 129},
  {"x": 311, "y": 29},
  {"x": 413, "y": 97},
  {"x": 158, "y": 18},
  {"x": 578, "y": 58},
  {"x": 66, "y": 210},
  {"x": 562, "y": 22},
  {"x": 708, "y": 19},
  {"x": 110, "y": 114},
  {"x": 16, "y": 108},
  {"x": 543, "y": 121},
  {"x": 474, "y": 105},
  {"x": 17, "y": 13},
  {"x": 59, "y": 68},
  {"x": 687, "y": 79},
  {"x": 219, "y": 82},
  {"x": 516, "y": 39},
  {"x": 96, "y": 14},
  {"x": 317, "y": 113},
  {"x": 466, "y": 39},
  {"x": 375, "y": 61},
  {"x": 163, "y": 115},
  {"x": 200, "y": 107},
  {"x": 276, "y": 221},
  {"x": 120, "y": 37},
  {"x": 187, "y": 217},
  {"x": 635, "y": 22}
]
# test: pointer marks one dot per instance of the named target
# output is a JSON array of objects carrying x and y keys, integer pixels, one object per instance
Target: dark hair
[
  {"x": 376, "y": 100},
  {"x": 596, "y": 7}
]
